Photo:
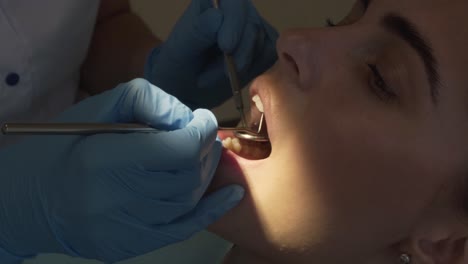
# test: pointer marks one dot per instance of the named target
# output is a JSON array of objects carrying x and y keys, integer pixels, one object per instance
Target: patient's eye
[
  {"x": 358, "y": 11},
  {"x": 379, "y": 86}
]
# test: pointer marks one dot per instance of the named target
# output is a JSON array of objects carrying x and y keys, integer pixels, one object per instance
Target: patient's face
[{"x": 361, "y": 145}]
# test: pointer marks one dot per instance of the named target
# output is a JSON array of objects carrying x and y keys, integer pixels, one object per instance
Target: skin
[{"x": 356, "y": 175}]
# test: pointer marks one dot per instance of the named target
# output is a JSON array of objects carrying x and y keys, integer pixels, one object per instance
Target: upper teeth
[{"x": 258, "y": 102}]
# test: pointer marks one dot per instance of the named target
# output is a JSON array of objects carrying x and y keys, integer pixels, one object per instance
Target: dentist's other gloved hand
[
  {"x": 113, "y": 196},
  {"x": 190, "y": 64}
]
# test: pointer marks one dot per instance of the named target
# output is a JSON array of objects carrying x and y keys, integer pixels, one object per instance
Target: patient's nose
[{"x": 300, "y": 51}]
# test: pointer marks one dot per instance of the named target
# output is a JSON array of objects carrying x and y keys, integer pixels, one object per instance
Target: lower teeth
[
  {"x": 232, "y": 144},
  {"x": 247, "y": 150}
]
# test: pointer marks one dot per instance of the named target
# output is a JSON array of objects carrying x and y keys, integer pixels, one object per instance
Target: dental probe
[
  {"x": 73, "y": 128},
  {"x": 234, "y": 81},
  {"x": 103, "y": 128}
]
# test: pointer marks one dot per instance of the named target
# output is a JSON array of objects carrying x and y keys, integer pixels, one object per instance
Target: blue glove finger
[
  {"x": 182, "y": 195},
  {"x": 135, "y": 101},
  {"x": 212, "y": 76},
  {"x": 189, "y": 144},
  {"x": 175, "y": 62},
  {"x": 146, "y": 237},
  {"x": 243, "y": 58},
  {"x": 155, "y": 152},
  {"x": 155, "y": 208},
  {"x": 174, "y": 194},
  {"x": 244, "y": 54},
  {"x": 169, "y": 170},
  {"x": 208, "y": 211},
  {"x": 144, "y": 103},
  {"x": 246, "y": 64},
  {"x": 201, "y": 35},
  {"x": 178, "y": 186},
  {"x": 208, "y": 167},
  {"x": 199, "y": 134},
  {"x": 235, "y": 19},
  {"x": 203, "y": 4}
]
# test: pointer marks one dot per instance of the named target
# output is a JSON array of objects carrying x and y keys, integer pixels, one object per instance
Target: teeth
[
  {"x": 232, "y": 144},
  {"x": 236, "y": 145},
  {"x": 258, "y": 102},
  {"x": 227, "y": 143}
]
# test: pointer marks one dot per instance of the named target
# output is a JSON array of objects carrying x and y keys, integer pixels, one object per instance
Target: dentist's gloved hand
[
  {"x": 113, "y": 196},
  {"x": 190, "y": 64}
]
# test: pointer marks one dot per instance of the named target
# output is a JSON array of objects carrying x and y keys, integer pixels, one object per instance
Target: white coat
[{"x": 43, "y": 44}]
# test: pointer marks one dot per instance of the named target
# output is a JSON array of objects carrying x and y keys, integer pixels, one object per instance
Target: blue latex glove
[
  {"x": 190, "y": 64},
  {"x": 113, "y": 196}
]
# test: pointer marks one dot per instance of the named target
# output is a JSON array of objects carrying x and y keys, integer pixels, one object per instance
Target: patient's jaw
[{"x": 364, "y": 153}]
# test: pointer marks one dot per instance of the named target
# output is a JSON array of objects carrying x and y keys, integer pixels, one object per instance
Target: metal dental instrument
[
  {"x": 87, "y": 129},
  {"x": 102, "y": 128},
  {"x": 73, "y": 128},
  {"x": 244, "y": 132},
  {"x": 234, "y": 81}
]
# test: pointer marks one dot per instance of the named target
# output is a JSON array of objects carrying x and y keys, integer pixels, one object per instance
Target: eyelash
[{"x": 378, "y": 85}]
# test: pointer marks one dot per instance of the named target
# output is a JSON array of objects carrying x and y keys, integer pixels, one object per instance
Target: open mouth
[{"x": 248, "y": 149}]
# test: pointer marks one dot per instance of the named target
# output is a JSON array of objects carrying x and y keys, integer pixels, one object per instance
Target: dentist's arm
[{"x": 120, "y": 45}]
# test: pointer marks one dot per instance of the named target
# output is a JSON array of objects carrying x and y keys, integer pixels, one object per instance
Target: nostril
[{"x": 291, "y": 61}]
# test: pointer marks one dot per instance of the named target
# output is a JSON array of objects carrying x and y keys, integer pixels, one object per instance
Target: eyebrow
[{"x": 407, "y": 31}]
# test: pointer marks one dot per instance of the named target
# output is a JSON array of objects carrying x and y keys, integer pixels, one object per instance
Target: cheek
[{"x": 365, "y": 176}]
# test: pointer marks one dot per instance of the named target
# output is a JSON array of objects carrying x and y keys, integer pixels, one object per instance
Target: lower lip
[
  {"x": 235, "y": 163},
  {"x": 228, "y": 172},
  {"x": 230, "y": 160}
]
